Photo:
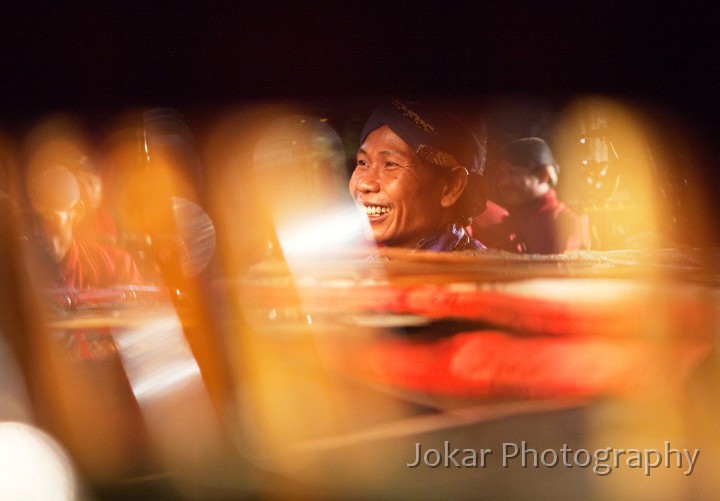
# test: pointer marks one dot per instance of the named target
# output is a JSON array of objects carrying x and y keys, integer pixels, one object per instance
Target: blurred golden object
[{"x": 286, "y": 359}]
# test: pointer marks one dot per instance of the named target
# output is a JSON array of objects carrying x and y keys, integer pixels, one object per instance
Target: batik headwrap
[{"x": 439, "y": 138}]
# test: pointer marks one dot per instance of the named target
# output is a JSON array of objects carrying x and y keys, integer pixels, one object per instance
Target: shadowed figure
[{"x": 69, "y": 260}]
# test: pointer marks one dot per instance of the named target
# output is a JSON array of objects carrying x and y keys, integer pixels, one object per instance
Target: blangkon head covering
[
  {"x": 435, "y": 135},
  {"x": 440, "y": 138}
]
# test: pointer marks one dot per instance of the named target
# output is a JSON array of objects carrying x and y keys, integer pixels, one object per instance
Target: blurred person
[
  {"x": 537, "y": 222},
  {"x": 73, "y": 261},
  {"x": 418, "y": 178},
  {"x": 97, "y": 221}
]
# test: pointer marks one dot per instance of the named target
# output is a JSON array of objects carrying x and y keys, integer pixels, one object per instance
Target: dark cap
[
  {"x": 436, "y": 136},
  {"x": 526, "y": 151}
]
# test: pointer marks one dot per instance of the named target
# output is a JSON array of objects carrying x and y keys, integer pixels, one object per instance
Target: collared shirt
[{"x": 449, "y": 238}]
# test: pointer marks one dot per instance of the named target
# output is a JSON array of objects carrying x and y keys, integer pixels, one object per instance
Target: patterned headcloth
[
  {"x": 437, "y": 137},
  {"x": 441, "y": 139}
]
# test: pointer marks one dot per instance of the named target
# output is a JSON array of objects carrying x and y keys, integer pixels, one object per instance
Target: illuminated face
[
  {"x": 91, "y": 186},
  {"x": 517, "y": 185},
  {"x": 56, "y": 225},
  {"x": 400, "y": 193}
]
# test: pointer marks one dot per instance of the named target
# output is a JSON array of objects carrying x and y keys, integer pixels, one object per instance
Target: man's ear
[
  {"x": 456, "y": 181},
  {"x": 78, "y": 212},
  {"x": 552, "y": 172}
]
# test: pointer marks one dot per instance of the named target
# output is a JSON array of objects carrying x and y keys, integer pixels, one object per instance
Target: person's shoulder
[
  {"x": 118, "y": 263},
  {"x": 95, "y": 246},
  {"x": 493, "y": 214},
  {"x": 112, "y": 257},
  {"x": 565, "y": 213},
  {"x": 475, "y": 244},
  {"x": 468, "y": 243}
]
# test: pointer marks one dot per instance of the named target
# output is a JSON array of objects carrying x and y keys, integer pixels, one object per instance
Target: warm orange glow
[
  {"x": 271, "y": 346},
  {"x": 624, "y": 176}
]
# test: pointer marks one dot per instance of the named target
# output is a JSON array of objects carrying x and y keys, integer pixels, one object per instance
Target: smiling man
[{"x": 418, "y": 178}]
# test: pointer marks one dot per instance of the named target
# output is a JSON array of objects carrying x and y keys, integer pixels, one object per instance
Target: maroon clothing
[
  {"x": 543, "y": 226},
  {"x": 91, "y": 264},
  {"x": 491, "y": 217},
  {"x": 99, "y": 226}
]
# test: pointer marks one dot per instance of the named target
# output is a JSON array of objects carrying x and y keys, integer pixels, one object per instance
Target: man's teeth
[{"x": 373, "y": 210}]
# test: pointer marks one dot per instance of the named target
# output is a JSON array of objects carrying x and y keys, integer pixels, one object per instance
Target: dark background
[
  {"x": 100, "y": 57},
  {"x": 97, "y": 59}
]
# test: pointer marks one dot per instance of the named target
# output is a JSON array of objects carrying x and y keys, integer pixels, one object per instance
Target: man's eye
[
  {"x": 361, "y": 163},
  {"x": 391, "y": 164}
]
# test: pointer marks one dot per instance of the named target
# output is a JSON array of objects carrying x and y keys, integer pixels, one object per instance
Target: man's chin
[
  {"x": 379, "y": 238},
  {"x": 56, "y": 258},
  {"x": 57, "y": 255}
]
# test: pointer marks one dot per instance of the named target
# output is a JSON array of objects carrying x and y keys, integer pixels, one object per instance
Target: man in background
[
  {"x": 97, "y": 221},
  {"x": 537, "y": 222},
  {"x": 71, "y": 260}
]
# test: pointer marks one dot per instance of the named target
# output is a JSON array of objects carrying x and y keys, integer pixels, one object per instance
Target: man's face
[
  {"x": 56, "y": 227},
  {"x": 399, "y": 192},
  {"x": 517, "y": 185},
  {"x": 91, "y": 186}
]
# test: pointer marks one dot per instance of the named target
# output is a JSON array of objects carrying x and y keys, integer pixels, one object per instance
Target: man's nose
[{"x": 369, "y": 182}]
